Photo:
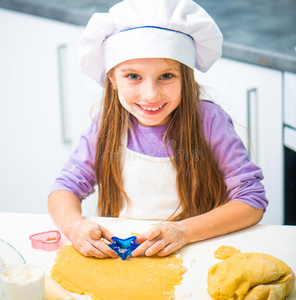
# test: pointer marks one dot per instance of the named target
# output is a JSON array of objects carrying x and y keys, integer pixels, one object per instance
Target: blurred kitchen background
[{"x": 46, "y": 102}]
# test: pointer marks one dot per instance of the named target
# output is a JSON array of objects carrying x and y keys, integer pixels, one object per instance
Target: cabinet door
[
  {"x": 290, "y": 99},
  {"x": 36, "y": 128},
  {"x": 252, "y": 95}
]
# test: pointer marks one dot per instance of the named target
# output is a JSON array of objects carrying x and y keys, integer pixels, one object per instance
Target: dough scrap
[
  {"x": 249, "y": 276},
  {"x": 225, "y": 252},
  {"x": 113, "y": 279}
]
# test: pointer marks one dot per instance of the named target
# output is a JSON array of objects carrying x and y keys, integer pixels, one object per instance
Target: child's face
[{"x": 148, "y": 88}]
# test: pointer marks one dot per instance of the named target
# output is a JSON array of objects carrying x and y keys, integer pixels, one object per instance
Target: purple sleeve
[
  {"x": 241, "y": 175},
  {"x": 78, "y": 175}
]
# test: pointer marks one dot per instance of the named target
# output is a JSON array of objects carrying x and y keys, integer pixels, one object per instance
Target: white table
[{"x": 279, "y": 241}]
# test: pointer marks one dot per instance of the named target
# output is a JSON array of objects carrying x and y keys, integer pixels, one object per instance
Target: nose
[{"x": 150, "y": 91}]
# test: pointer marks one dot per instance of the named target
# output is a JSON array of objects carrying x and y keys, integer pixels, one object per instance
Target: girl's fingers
[
  {"x": 153, "y": 233},
  {"x": 97, "y": 249},
  {"x": 170, "y": 248},
  {"x": 98, "y": 232},
  {"x": 141, "y": 238},
  {"x": 107, "y": 250},
  {"x": 161, "y": 240},
  {"x": 142, "y": 248},
  {"x": 95, "y": 233},
  {"x": 149, "y": 234},
  {"x": 87, "y": 249},
  {"x": 156, "y": 247},
  {"x": 106, "y": 234}
]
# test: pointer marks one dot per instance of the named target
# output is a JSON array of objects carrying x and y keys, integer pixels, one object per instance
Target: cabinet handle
[
  {"x": 60, "y": 50},
  {"x": 252, "y": 126}
]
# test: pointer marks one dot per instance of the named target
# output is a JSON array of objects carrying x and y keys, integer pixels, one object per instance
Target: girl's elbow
[
  {"x": 258, "y": 215},
  {"x": 255, "y": 215}
]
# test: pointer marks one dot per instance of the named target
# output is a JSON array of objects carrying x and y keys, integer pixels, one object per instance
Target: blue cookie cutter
[{"x": 124, "y": 247}]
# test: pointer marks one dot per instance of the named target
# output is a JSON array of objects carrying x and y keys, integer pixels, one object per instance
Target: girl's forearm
[
  {"x": 65, "y": 209},
  {"x": 232, "y": 216}
]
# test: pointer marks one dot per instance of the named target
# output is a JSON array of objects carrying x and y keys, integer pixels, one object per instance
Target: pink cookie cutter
[{"x": 48, "y": 241}]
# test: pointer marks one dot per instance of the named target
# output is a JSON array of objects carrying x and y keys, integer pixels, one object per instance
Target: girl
[{"x": 156, "y": 150}]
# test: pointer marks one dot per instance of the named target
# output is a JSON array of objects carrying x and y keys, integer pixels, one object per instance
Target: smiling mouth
[{"x": 152, "y": 108}]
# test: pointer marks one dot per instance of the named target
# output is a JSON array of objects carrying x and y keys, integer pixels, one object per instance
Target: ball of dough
[
  {"x": 225, "y": 252},
  {"x": 250, "y": 276}
]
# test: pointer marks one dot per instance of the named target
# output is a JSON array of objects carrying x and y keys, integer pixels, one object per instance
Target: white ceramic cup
[{"x": 22, "y": 282}]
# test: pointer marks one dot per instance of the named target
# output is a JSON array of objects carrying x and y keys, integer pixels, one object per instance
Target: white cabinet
[
  {"x": 252, "y": 95},
  {"x": 290, "y": 99},
  {"x": 290, "y": 110},
  {"x": 43, "y": 106}
]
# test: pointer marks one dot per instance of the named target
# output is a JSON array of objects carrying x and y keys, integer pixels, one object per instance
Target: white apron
[{"x": 150, "y": 183}]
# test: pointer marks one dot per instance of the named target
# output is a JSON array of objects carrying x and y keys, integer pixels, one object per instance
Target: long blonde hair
[{"x": 200, "y": 184}]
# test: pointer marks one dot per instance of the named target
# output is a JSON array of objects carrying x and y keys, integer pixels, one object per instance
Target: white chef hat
[{"x": 176, "y": 29}]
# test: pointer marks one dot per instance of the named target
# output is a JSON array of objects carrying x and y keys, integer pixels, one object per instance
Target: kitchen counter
[
  {"x": 279, "y": 241},
  {"x": 257, "y": 32}
]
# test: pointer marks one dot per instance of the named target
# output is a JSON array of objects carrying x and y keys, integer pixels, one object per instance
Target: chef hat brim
[{"x": 176, "y": 29}]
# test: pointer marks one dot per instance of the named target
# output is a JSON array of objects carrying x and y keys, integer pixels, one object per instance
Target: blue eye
[
  {"x": 133, "y": 76},
  {"x": 167, "y": 76}
]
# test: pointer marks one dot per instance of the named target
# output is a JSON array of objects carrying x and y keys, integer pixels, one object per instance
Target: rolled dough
[
  {"x": 53, "y": 291},
  {"x": 113, "y": 279}
]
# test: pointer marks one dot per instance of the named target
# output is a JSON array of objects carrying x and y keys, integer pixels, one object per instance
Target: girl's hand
[
  {"x": 161, "y": 239},
  {"x": 86, "y": 238}
]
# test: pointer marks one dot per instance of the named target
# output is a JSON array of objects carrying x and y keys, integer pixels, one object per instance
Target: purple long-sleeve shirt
[{"x": 241, "y": 176}]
